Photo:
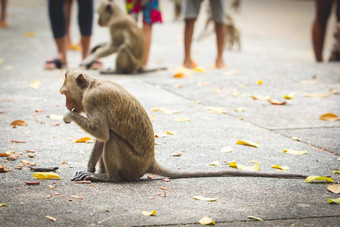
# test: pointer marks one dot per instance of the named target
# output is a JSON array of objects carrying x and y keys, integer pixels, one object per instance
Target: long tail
[{"x": 165, "y": 172}]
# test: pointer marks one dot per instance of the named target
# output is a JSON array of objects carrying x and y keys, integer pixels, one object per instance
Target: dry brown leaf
[
  {"x": 335, "y": 188},
  {"x": 329, "y": 117},
  {"x": 179, "y": 75},
  {"x": 51, "y": 218},
  {"x": 18, "y": 123},
  {"x": 18, "y": 141},
  {"x": 3, "y": 169},
  {"x": 276, "y": 102}
]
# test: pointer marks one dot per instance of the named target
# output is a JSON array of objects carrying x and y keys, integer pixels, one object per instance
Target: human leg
[
  {"x": 190, "y": 10},
  {"x": 3, "y": 17},
  {"x": 323, "y": 10},
  {"x": 218, "y": 9},
  {"x": 147, "y": 32},
  {"x": 58, "y": 24},
  {"x": 85, "y": 21}
]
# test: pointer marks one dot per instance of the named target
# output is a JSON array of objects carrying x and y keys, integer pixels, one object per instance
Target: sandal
[
  {"x": 54, "y": 64},
  {"x": 96, "y": 65}
]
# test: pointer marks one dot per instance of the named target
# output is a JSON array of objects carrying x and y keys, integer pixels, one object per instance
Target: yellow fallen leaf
[
  {"x": 336, "y": 172},
  {"x": 216, "y": 109},
  {"x": 289, "y": 96},
  {"x": 246, "y": 143},
  {"x": 205, "y": 198},
  {"x": 335, "y": 188},
  {"x": 283, "y": 168},
  {"x": 255, "y": 218},
  {"x": 51, "y": 218},
  {"x": 308, "y": 82},
  {"x": 318, "y": 178},
  {"x": 259, "y": 82},
  {"x": 316, "y": 95},
  {"x": 240, "y": 109},
  {"x": 334, "y": 200},
  {"x": 182, "y": 119},
  {"x": 19, "y": 122},
  {"x": 165, "y": 110},
  {"x": 227, "y": 149},
  {"x": 83, "y": 140},
  {"x": 2, "y": 61},
  {"x": 35, "y": 84},
  {"x": 2, "y": 204},
  {"x": 216, "y": 163},
  {"x": 46, "y": 175},
  {"x": 335, "y": 92},
  {"x": 199, "y": 69},
  {"x": 244, "y": 167},
  {"x": 288, "y": 151},
  {"x": 151, "y": 213},
  {"x": 296, "y": 138},
  {"x": 329, "y": 117},
  {"x": 206, "y": 221},
  {"x": 171, "y": 132},
  {"x": 29, "y": 34}
]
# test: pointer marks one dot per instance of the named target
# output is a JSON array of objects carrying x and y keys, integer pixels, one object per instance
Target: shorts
[
  {"x": 151, "y": 10},
  {"x": 191, "y": 9}
]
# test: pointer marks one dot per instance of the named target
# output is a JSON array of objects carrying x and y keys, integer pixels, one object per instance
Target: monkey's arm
[
  {"x": 107, "y": 50},
  {"x": 96, "y": 128}
]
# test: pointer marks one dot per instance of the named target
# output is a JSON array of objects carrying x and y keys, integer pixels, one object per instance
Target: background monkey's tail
[{"x": 165, "y": 172}]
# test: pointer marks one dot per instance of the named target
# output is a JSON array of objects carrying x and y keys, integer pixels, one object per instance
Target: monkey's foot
[{"x": 84, "y": 175}]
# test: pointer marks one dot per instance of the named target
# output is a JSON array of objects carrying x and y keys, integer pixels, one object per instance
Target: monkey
[
  {"x": 125, "y": 142},
  {"x": 335, "y": 53},
  {"x": 232, "y": 33},
  {"x": 236, "y": 5},
  {"x": 126, "y": 40},
  {"x": 177, "y": 8}
]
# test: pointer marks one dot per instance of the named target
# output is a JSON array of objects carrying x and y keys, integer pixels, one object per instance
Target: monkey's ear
[
  {"x": 108, "y": 8},
  {"x": 81, "y": 81}
]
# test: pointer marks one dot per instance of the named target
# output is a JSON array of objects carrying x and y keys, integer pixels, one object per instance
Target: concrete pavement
[{"x": 276, "y": 50}]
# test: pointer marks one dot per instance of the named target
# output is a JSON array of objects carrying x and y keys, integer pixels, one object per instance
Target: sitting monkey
[
  {"x": 126, "y": 39},
  {"x": 124, "y": 134}
]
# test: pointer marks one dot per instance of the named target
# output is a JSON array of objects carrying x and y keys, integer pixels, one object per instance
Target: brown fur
[
  {"x": 126, "y": 39},
  {"x": 125, "y": 137}
]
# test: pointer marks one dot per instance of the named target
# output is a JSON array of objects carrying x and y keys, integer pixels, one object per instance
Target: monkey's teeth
[{"x": 73, "y": 109}]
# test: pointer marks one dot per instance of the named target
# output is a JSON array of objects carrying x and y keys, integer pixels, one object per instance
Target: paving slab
[{"x": 279, "y": 202}]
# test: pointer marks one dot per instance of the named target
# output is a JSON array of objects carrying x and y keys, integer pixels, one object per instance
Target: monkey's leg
[
  {"x": 111, "y": 161},
  {"x": 95, "y": 155},
  {"x": 126, "y": 62}
]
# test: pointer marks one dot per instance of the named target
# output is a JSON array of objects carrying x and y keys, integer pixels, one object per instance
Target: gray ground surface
[{"x": 275, "y": 49}]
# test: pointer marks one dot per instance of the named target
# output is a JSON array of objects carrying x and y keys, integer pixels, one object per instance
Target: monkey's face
[
  {"x": 73, "y": 88},
  {"x": 105, "y": 12}
]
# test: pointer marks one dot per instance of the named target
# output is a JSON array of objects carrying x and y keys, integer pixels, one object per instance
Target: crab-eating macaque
[
  {"x": 232, "y": 35},
  {"x": 126, "y": 40},
  {"x": 236, "y": 5},
  {"x": 124, "y": 133}
]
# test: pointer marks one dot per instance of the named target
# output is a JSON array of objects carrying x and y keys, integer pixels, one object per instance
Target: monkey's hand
[{"x": 68, "y": 117}]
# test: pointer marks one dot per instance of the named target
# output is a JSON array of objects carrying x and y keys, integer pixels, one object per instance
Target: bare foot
[
  {"x": 220, "y": 64},
  {"x": 3, "y": 24},
  {"x": 190, "y": 64}
]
